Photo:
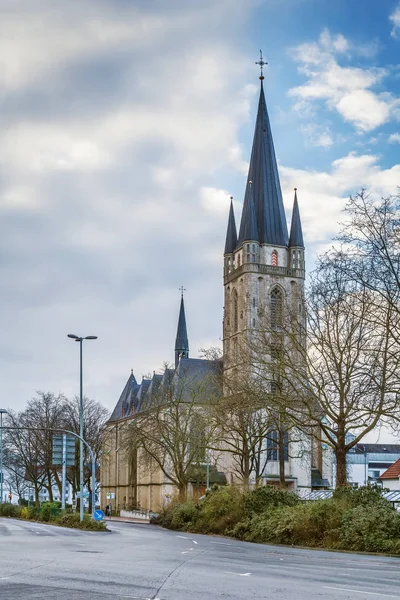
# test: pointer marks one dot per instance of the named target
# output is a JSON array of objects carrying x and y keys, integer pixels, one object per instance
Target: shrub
[
  {"x": 10, "y": 510},
  {"x": 261, "y": 499},
  {"x": 184, "y": 515},
  {"x": 221, "y": 510},
  {"x": 72, "y": 520},
  {"x": 371, "y": 529}
]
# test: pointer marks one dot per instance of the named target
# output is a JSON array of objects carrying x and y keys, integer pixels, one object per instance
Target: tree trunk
[
  {"x": 281, "y": 448},
  {"x": 182, "y": 490},
  {"x": 341, "y": 463}
]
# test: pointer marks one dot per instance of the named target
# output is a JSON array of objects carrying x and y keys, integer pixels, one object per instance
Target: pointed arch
[
  {"x": 235, "y": 306},
  {"x": 276, "y": 306}
]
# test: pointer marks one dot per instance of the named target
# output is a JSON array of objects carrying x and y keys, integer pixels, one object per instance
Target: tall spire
[
  {"x": 231, "y": 235},
  {"x": 181, "y": 342},
  {"x": 263, "y": 172},
  {"x": 248, "y": 225},
  {"x": 296, "y": 232}
]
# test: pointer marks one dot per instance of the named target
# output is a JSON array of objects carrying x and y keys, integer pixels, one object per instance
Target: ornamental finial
[
  {"x": 182, "y": 289},
  {"x": 261, "y": 64}
]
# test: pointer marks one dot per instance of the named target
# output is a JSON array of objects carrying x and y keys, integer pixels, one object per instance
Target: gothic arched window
[
  {"x": 235, "y": 311},
  {"x": 276, "y": 307},
  {"x": 274, "y": 259}
]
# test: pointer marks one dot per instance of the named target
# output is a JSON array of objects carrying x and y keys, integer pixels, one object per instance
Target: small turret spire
[
  {"x": 296, "y": 232},
  {"x": 248, "y": 225},
  {"x": 181, "y": 342},
  {"x": 231, "y": 233}
]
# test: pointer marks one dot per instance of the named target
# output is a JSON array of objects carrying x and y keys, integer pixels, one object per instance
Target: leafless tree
[
  {"x": 337, "y": 372},
  {"x": 172, "y": 431}
]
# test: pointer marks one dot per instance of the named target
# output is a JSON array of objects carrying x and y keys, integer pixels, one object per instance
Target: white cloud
[
  {"x": 317, "y": 135},
  {"x": 394, "y": 138},
  {"x": 395, "y": 19},
  {"x": 344, "y": 89}
]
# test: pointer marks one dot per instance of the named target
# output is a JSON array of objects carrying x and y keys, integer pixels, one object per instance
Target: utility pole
[{"x": 64, "y": 471}]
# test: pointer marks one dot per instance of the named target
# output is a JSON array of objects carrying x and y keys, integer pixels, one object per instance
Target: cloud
[
  {"x": 395, "y": 19},
  {"x": 317, "y": 135},
  {"x": 394, "y": 138},
  {"x": 344, "y": 89}
]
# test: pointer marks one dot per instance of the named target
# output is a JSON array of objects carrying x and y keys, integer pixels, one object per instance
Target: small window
[
  {"x": 254, "y": 322},
  {"x": 254, "y": 302},
  {"x": 238, "y": 260}
]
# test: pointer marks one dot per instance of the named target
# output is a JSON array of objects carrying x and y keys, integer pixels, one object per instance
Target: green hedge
[
  {"x": 358, "y": 520},
  {"x": 50, "y": 512}
]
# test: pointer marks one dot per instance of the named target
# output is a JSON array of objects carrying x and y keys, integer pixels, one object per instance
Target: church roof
[
  {"x": 196, "y": 379},
  {"x": 263, "y": 172},
  {"x": 248, "y": 225},
  {"x": 296, "y": 232},
  {"x": 231, "y": 234},
  {"x": 124, "y": 401},
  {"x": 182, "y": 342}
]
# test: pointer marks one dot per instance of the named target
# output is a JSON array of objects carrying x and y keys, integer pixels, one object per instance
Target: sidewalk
[{"x": 127, "y": 520}]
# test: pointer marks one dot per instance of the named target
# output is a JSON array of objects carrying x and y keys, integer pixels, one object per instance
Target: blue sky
[{"x": 127, "y": 125}]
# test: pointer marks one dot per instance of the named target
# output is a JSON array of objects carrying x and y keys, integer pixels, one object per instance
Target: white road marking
[
  {"x": 1, "y": 578},
  {"x": 194, "y": 541},
  {"x": 360, "y": 592},
  {"x": 240, "y": 574},
  {"x": 222, "y": 544},
  {"x": 182, "y": 537}
]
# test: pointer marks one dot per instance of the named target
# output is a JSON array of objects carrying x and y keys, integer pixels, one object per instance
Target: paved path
[{"x": 43, "y": 562}]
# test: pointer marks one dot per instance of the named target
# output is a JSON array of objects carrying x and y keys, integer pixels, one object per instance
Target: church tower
[{"x": 264, "y": 268}]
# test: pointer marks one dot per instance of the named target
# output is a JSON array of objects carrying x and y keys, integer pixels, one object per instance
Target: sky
[{"x": 125, "y": 127}]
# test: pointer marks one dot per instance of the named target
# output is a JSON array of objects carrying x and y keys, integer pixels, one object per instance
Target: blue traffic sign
[{"x": 98, "y": 515}]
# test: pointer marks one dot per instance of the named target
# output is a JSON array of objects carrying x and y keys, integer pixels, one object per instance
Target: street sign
[
  {"x": 98, "y": 515},
  {"x": 85, "y": 494},
  {"x": 58, "y": 450},
  {"x": 110, "y": 496}
]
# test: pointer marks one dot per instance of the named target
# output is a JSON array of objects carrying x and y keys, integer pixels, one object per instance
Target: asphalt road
[{"x": 145, "y": 562}]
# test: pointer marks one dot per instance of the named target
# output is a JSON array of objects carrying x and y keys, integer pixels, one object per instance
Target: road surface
[{"x": 136, "y": 561}]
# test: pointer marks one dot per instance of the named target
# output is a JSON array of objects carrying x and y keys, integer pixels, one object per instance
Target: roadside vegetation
[
  {"x": 356, "y": 520},
  {"x": 50, "y": 512}
]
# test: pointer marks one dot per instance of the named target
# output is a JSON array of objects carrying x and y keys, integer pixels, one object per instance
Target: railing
[{"x": 264, "y": 270}]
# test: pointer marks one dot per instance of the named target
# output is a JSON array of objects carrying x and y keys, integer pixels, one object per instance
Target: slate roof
[
  {"x": 231, "y": 234},
  {"x": 263, "y": 172},
  {"x": 393, "y": 471},
  {"x": 296, "y": 232},
  {"x": 181, "y": 341},
  {"x": 196, "y": 379},
  {"x": 377, "y": 448},
  {"x": 248, "y": 224},
  {"x": 125, "y": 398}
]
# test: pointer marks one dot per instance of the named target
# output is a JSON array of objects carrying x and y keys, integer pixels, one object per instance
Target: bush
[
  {"x": 184, "y": 516},
  {"x": 10, "y": 510},
  {"x": 261, "y": 499},
  {"x": 374, "y": 529},
  {"x": 72, "y": 520},
  {"x": 221, "y": 510}
]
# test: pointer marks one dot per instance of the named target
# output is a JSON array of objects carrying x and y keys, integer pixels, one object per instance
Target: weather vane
[
  {"x": 182, "y": 289},
  {"x": 261, "y": 64}
]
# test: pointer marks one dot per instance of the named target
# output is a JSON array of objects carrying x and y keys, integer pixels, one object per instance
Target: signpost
[
  {"x": 98, "y": 515},
  {"x": 64, "y": 455}
]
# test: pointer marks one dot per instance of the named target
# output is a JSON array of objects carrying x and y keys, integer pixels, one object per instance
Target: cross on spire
[
  {"x": 261, "y": 64},
  {"x": 182, "y": 289}
]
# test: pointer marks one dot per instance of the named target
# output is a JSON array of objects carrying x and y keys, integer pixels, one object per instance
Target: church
[{"x": 263, "y": 265}]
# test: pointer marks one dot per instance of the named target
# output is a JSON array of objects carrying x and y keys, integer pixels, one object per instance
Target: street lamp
[
  {"x": 80, "y": 340},
  {"x": 2, "y": 412}
]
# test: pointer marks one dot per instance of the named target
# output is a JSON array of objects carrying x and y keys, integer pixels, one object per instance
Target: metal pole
[
  {"x": 64, "y": 470},
  {"x": 93, "y": 484},
  {"x": 208, "y": 471},
  {"x": 1, "y": 457},
  {"x": 81, "y": 433}
]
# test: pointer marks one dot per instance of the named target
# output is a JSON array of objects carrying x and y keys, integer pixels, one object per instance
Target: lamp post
[
  {"x": 80, "y": 340},
  {"x": 2, "y": 412}
]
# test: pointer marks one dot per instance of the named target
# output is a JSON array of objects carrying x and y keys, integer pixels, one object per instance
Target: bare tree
[
  {"x": 172, "y": 431},
  {"x": 338, "y": 374},
  {"x": 95, "y": 417}
]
